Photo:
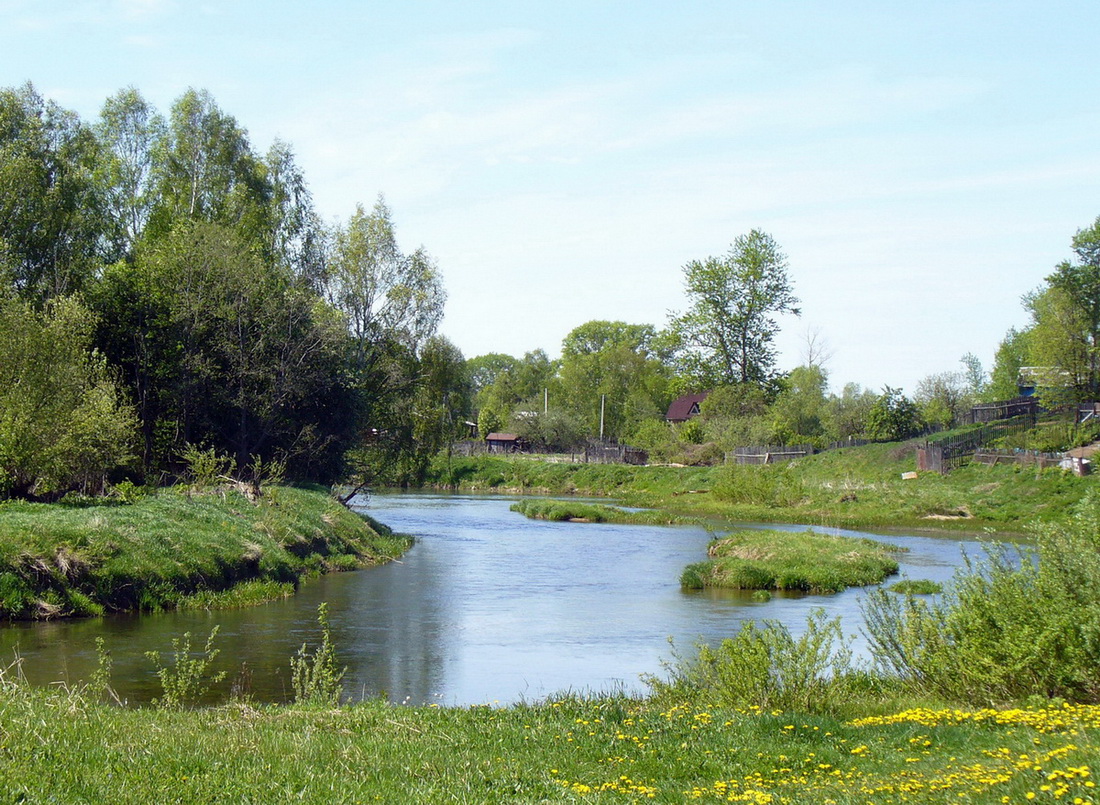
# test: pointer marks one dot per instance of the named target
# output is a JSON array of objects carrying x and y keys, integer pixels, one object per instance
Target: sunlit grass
[
  {"x": 176, "y": 549},
  {"x": 61, "y": 746},
  {"x": 784, "y": 560}
]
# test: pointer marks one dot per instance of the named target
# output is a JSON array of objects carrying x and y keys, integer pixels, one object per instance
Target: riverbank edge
[
  {"x": 177, "y": 549},
  {"x": 856, "y": 488}
]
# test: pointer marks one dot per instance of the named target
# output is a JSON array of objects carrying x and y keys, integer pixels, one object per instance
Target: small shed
[
  {"x": 504, "y": 443},
  {"x": 684, "y": 408}
]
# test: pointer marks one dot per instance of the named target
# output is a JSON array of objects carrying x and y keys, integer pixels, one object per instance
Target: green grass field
[{"x": 59, "y": 746}]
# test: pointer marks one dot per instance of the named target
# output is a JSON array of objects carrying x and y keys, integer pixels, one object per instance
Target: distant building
[
  {"x": 1033, "y": 378},
  {"x": 505, "y": 443},
  {"x": 684, "y": 408}
]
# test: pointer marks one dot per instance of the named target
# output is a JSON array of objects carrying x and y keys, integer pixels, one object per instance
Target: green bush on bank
[
  {"x": 173, "y": 549},
  {"x": 1014, "y": 623}
]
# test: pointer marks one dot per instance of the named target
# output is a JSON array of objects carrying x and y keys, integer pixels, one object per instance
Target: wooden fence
[
  {"x": 992, "y": 456},
  {"x": 597, "y": 452},
  {"x": 1006, "y": 409},
  {"x": 768, "y": 453}
]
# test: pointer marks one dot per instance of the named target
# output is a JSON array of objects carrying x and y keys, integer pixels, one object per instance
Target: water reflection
[{"x": 487, "y": 607}]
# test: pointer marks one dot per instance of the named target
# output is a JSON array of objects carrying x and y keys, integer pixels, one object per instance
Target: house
[
  {"x": 684, "y": 408},
  {"x": 505, "y": 443}
]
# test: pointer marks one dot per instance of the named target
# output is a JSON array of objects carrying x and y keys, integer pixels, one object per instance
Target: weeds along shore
[{"x": 176, "y": 547}]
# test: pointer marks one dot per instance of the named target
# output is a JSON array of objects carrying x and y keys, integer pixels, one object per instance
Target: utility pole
[
  {"x": 545, "y": 401},
  {"x": 603, "y": 401}
]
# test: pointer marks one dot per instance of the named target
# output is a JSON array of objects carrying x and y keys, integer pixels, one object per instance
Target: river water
[{"x": 487, "y": 607}]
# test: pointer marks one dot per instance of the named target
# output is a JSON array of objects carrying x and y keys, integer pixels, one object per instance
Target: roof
[
  {"x": 501, "y": 437},
  {"x": 684, "y": 408}
]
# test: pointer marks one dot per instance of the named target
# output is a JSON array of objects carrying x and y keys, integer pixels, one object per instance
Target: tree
[
  {"x": 943, "y": 398},
  {"x": 1010, "y": 357},
  {"x": 798, "y": 412},
  {"x": 128, "y": 131},
  {"x": 847, "y": 414},
  {"x": 892, "y": 417},
  {"x": 726, "y": 335},
  {"x": 205, "y": 170},
  {"x": 1064, "y": 338},
  {"x": 383, "y": 293},
  {"x": 613, "y": 361},
  {"x": 63, "y": 424},
  {"x": 52, "y": 225},
  {"x": 221, "y": 347},
  {"x": 973, "y": 375}
]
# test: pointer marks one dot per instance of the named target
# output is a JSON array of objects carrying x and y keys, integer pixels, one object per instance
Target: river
[{"x": 487, "y": 608}]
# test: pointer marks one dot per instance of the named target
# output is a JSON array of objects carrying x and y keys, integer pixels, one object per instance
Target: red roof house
[{"x": 684, "y": 408}]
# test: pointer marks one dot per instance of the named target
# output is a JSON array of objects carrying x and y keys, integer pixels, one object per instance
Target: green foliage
[
  {"x": 1011, "y": 625},
  {"x": 189, "y": 678},
  {"x": 313, "y": 675},
  {"x": 100, "y": 683},
  {"x": 692, "y": 431},
  {"x": 63, "y": 424},
  {"x": 566, "y": 510},
  {"x": 206, "y": 468},
  {"x": 892, "y": 417},
  {"x": 727, "y": 334},
  {"x": 766, "y": 668},
  {"x": 764, "y": 485},
  {"x": 621, "y": 363}
]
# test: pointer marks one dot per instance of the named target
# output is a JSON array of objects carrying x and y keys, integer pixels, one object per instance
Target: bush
[
  {"x": 1013, "y": 625},
  {"x": 766, "y": 667}
]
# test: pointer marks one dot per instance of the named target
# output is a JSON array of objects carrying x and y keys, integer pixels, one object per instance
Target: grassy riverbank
[
  {"x": 173, "y": 548},
  {"x": 854, "y": 487},
  {"x": 61, "y": 746},
  {"x": 783, "y": 560}
]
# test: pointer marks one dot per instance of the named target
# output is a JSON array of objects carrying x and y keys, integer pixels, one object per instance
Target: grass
[
  {"x": 916, "y": 587},
  {"x": 574, "y": 511},
  {"x": 784, "y": 560},
  {"x": 853, "y": 487},
  {"x": 62, "y": 746},
  {"x": 174, "y": 549}
]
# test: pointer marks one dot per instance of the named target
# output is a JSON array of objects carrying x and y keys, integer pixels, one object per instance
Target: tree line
[{"x": 164, "y": 286}]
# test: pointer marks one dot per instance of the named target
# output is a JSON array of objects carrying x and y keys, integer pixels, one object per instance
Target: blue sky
[{"x": 922, "y": 165}]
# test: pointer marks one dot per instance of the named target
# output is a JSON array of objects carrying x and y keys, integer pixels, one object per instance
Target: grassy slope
[
  {"x": 163, "y": 549},
  {"x": 56, "y": 746},
  {"x": 853, "y": 487}
]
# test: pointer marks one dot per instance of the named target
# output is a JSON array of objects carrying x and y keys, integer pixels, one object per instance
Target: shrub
[
  {"x": 766, "y": 667},
  {"x": 1013, "y": 624}
]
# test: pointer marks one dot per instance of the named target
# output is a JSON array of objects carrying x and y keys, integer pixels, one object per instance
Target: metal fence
[{"x": 944, "y": 454}]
